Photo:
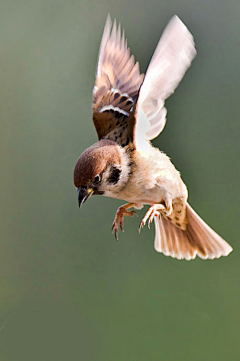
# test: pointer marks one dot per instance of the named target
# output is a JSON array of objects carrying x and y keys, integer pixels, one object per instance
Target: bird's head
[{"x": 102, "y": 168}]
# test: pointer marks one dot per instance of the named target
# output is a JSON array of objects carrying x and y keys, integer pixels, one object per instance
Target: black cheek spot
[{"x": 114, "y": 175}]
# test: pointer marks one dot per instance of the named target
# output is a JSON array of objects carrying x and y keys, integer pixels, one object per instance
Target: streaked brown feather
[
  {"x": 178, "y": 215},
  {"x": 116, "y": 87}
]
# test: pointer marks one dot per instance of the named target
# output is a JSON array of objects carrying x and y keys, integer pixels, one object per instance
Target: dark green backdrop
[{"x": 68, "y": 290}]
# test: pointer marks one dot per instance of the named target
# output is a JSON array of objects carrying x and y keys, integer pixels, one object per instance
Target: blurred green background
[{"x": 68, "y": 290}]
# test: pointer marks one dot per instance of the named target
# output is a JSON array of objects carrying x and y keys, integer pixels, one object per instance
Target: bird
[{"x": 128, "y": 112}]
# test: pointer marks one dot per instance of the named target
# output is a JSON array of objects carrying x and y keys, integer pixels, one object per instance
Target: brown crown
[{"x": 94, "y": 160}]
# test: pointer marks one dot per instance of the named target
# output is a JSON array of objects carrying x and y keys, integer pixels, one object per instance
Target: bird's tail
[{"x": 198, "y": 239}]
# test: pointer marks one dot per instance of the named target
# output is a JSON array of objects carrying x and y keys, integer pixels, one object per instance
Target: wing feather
[
  {"x": 116, "y": 86},
  {"x": 171, "y": 59}
]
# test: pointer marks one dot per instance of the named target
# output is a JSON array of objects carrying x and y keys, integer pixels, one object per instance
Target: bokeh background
[{"x": 68, "y": 290}]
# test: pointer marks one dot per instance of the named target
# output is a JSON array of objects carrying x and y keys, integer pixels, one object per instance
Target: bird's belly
[{"x": 143, "y": 195}]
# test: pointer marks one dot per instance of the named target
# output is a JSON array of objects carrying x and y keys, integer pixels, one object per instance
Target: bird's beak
[{"x": 83, "y": 194}]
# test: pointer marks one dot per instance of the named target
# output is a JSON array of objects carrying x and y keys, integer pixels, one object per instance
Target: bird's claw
[
  {"x": 141, "y": 225},
  {"x": 151, "y": 213},
  {"x": 118, "y": 220}
]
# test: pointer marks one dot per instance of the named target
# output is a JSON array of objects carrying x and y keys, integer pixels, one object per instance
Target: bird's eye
[{"x": 97, "y": 179}]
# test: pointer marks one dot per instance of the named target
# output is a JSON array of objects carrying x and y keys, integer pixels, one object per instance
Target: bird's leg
[
  {"x": 118, "y": 220},
  {"x": 168, "y": 207},
  {"x": 152, "y": 212}
]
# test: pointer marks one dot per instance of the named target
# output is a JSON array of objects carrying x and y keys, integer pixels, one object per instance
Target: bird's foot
[
  {"x": 118, "y": 220},
  {"x": 168, "y": 208},
  {"x": 151, "y": 213}
]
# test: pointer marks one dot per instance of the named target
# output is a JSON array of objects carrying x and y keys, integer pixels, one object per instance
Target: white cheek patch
[
  {"x": 106, "y": 176},
  {"x": 110, "y": 181},
  {"x": 124, "y": 166}
]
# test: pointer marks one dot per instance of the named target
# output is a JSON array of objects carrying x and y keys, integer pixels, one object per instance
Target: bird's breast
[{"x": 154, "y": 175}]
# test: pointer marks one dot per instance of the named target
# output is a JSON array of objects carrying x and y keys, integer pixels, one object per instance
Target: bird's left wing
[
  {"x": 116, "y": 86},
  {"x": 171, "y": 59}
]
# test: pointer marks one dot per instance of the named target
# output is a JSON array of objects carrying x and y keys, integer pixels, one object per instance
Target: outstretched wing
[
  {"x": 171, "y": 59},
  {"x": 116, "y": 87}
]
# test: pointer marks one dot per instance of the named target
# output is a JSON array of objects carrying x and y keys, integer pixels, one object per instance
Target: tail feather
[{"x": 198, "y": 239}]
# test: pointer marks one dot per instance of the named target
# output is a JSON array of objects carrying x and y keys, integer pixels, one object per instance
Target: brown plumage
[
  {"x": 128, "y": 111},
  {"x": 94, "y": 160},
  {"x": 116, "y": 87}
]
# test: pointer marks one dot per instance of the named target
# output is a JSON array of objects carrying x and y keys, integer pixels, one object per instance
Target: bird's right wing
[{"x": 171, "y": 59}]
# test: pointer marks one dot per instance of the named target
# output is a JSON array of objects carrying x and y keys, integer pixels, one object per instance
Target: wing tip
[
  {"x": 175, "y": 20},
  {"x": 108, "y": 20},
  {"x": 107, "y": 27}
]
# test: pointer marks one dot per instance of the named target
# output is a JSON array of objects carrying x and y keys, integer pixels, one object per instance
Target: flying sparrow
[{"x": 128, "y": 112}]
